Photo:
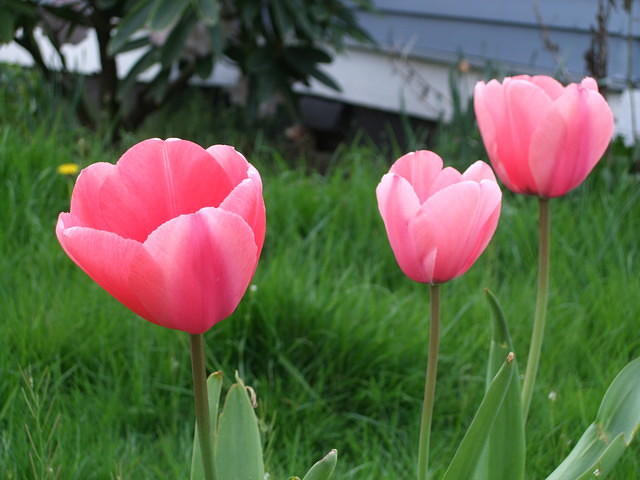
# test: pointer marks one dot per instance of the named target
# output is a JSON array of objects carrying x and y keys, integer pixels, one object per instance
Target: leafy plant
[
  {"x": 237, "y": 448},
  {"x": 274, "y": 45}
]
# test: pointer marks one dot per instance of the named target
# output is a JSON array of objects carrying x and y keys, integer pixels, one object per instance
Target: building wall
[{"x": 509, "y": 32}]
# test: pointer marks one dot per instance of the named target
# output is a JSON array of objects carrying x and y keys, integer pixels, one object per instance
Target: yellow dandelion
[{"x": 68, "y": 169}]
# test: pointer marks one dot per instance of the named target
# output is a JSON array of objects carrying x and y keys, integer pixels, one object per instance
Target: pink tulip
[
  {"x": 172, "y": 231},
  {"x": 542, "y": 138},
  {"x": 438, "y": 220}
]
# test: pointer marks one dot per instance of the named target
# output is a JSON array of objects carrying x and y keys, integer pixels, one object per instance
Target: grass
[{"x": 332, "y": 337}]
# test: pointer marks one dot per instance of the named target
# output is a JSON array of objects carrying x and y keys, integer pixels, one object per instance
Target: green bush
[{"x": 274, "y": 44}]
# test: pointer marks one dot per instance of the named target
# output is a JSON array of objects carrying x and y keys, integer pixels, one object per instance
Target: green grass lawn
[{"x": 332, "y": 337}]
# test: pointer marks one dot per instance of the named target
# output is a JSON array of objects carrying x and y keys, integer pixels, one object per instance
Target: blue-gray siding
[{"x": 509, "y": 32}]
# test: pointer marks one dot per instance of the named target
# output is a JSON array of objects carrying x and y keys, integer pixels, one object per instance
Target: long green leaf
[
  {"x": 128, "y": 25},
  {"x": 214, "y": 385},
  {"x": 603, "y": 443},
  {"x": 238, "y": 451},
  {"x": 325, "y": 79},
  {"x": 176, "y": 40},
  {"x": 504, "y": 455},
  {"x": 470, "y": 449},
  {"x": 217, "y": 40},
  {"x": 300, "y": 13},
  {"x": 209, "y": 11},
  {"x": 20, "y": 8},
  {"x": 167, "y": 13},
  {"x": 280, "y": 19},
  {"x": 7, "y": 21},
  {"x": 323, "y": 468},
  {"x": 134, "y": 44}
]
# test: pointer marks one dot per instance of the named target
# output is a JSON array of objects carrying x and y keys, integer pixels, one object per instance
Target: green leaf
[
  {"x": 325, "y": 79},
  {"x": 280, "y": 18},
  {"x": 250, "y": 12},
  {"x": 323, "y": 469},
  {"x": 299, "y": 11},
  {"x": 209, "y": 11},
  {"x": 504, "y": 455},
  {"x": 145, "y": 61},
  {"x": 176, "y": 40},
  {"x": 501, "y": 343},
  {"x": 129, "y": 24},
  {"x": 591, "y": 458},
  {"x": 603, "y": 443},
  {"x": 167, "y": 13},
  {"x": 20, "y": 8},
  {"x": 217, "y": 40},
  {"x": 470, "y": 449},
  {"x": 238, "y": 451},
  {"x": 260, "y": 61},
  {"x": 620, "y": 408},
  {"x": 306, "y": 59},
  {"x": 309, "y": 56},
  {"x": 6, "y": 27},
  {"x": 214, "y": 385},
  {"x": 134, "y": 44}
]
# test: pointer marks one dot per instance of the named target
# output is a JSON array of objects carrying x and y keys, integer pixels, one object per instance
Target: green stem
[
  {"x": 202, "y": 404},
  {"x": 429, "y": 384},
  {"x": 544, "y": 232}
]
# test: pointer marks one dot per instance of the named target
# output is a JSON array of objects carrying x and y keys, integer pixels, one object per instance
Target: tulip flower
[
  {"x": 173, "y": 232},
  {"x": 438, "y": 222},
  {"x": 542, "y": 138}
]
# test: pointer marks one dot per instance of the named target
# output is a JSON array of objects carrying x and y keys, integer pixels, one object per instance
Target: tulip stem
[
  {"x": 202, "y": 404},
  {"x": 544, "y": 232},
  {"x": 429, "y": 384}
]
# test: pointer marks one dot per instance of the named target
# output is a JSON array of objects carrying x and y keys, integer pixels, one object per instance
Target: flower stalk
[
  {"x": 202, "y": 404},
  {"x": 430, "y": 383},
  {"x": 544, "y": 233}
]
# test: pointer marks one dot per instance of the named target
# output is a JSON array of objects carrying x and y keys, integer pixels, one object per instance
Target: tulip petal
[
  {"x": 398, "y": 203},
  {"x": 458, "y": 218},
  {"x": 246, "y": 200},
  {"x": 490, "y": 109},
  {"x": 233, "y": 163},
  {"x": 526, "y": 107},
  {"x": 85, "y": 201},
  {"x": 423, "y": 235},
  {"x": 206, "y": 261},
  {"x": 420, "y": 169},
  {"x": 478, "y": 171},
  {"x": 106, "y": 257},
  {"x": 570, "y": 140},
  {"x": 589, "y": 83},
  {"x": 488, "y": 210},
  {"x": 550, "y": 85},
  {"x": 158, "y": 180},
  {"x": 448, "y": 176}
]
